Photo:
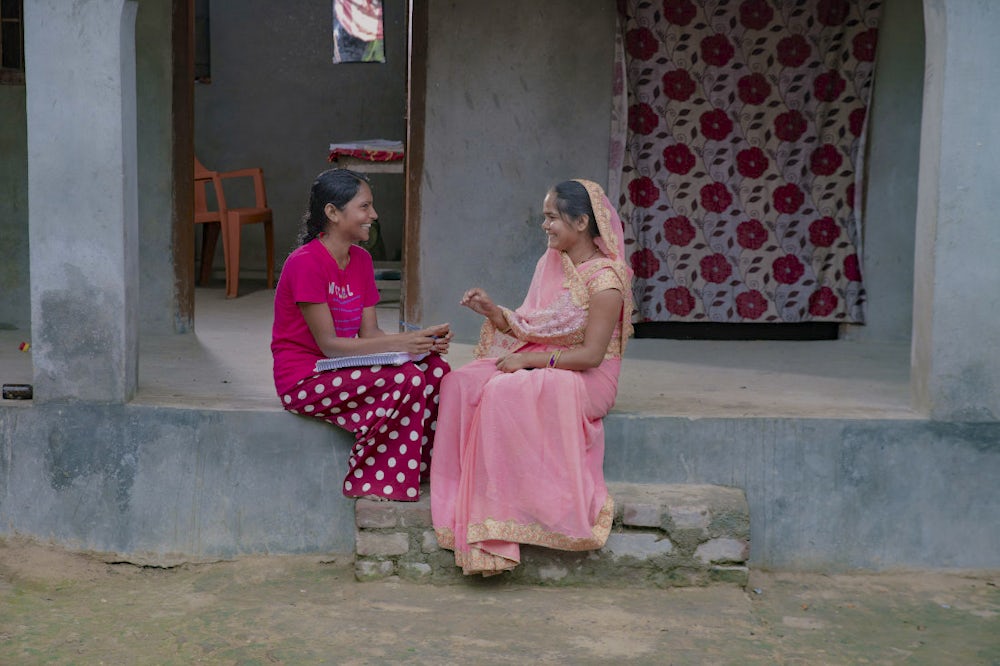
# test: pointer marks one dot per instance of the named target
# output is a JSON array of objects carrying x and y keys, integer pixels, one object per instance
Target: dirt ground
[{"x": 58, "y": 607}]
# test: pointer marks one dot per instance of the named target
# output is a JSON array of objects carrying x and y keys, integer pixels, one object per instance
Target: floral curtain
[{"x": 740, "y": 156}]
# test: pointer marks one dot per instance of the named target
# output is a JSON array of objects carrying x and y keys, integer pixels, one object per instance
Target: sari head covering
[{"x": 554, "y": 311}]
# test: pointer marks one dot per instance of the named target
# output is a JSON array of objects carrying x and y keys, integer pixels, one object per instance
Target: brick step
[{"x": 665, "y": 535}]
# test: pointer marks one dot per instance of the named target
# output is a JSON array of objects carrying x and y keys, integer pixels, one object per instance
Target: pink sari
[{"x": 519, "y": 456}]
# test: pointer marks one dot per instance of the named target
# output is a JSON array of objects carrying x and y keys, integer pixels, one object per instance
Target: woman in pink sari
[{"x": 519, "y": 449}]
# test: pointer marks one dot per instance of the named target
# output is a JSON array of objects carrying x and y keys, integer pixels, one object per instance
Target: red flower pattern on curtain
[{"x": 743, "y": 141}]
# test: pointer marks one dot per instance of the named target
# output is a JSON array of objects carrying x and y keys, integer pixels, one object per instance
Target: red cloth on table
[{"x": 368, "y": 155}]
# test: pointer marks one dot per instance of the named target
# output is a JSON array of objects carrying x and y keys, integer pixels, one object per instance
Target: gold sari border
[{"x": 536, "y": 535}]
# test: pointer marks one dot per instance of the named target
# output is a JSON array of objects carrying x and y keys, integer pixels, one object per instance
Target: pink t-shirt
[{"x": 310, "y": 275}]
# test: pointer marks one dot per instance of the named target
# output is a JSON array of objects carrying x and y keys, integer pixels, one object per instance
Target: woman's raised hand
[{"x": 479, "y": 302}]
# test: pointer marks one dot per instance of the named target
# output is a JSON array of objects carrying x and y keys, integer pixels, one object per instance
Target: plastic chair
[
  {"x": 212, "y": 219},
  {"x": 231, "y": 222}
]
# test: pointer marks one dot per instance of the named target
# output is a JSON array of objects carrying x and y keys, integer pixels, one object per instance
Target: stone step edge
[{"x": 673, "y": 534}]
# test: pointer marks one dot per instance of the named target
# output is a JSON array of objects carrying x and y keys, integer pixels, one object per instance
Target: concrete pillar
[
  {"x": 82, "y": 201},
  {"x": 956, "y": 330}
]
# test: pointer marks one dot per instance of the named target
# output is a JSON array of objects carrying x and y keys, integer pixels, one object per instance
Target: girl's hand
[
  {"x": 442, "y": 344},
  {"x": 422, "y": 341},
  {"x": 513, "y": 362}
]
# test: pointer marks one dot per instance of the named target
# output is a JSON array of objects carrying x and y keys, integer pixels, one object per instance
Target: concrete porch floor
[{"x": 226, "y": 364}]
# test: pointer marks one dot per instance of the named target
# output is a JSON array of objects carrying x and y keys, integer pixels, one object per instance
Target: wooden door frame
[{"x": 416, "y": 99}]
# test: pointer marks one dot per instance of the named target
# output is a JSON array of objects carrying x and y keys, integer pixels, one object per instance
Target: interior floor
[{"x": 226, "y": 364}]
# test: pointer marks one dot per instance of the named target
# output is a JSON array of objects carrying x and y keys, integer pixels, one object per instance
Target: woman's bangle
[
  {"x": 504, "y": 330},
  {"x": 554, "y": 358}
]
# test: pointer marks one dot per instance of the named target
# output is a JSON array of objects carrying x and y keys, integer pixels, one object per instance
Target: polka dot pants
[{"x": 392, "y": 411}]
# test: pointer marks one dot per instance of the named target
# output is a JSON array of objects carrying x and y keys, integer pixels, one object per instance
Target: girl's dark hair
[
  {"x": 334, "y": 186},
  {"x": 572, "y": 201}
]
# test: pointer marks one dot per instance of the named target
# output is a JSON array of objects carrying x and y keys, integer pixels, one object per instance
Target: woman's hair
[
  {"x": 333, "y": 186},
  {"x": 572, "y": 201}
]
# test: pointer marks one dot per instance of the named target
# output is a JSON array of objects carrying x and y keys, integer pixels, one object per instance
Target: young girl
[{"x": 324, "y": 306}]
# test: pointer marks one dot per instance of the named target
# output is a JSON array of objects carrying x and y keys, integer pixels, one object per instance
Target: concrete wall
[
  {"x": 518, "y": 99},
  {"x": 890, "y": 207},
  {"x": 15, "y": 304},
  {"x": 830, "y": 495},
  {"x": 956, "y": 337},
  {"x": 157, "y": 484},
  {"x": 277, "y": 101}
]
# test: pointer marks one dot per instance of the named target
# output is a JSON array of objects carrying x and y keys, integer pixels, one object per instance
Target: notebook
[{"x": 381, "y": 358}]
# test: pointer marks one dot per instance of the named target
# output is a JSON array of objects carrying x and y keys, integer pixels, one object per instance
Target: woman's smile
[{"x": 559, "y": 234}]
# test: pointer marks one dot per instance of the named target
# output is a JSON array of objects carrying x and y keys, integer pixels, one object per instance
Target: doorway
[{"x": 276, "y": 99}]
